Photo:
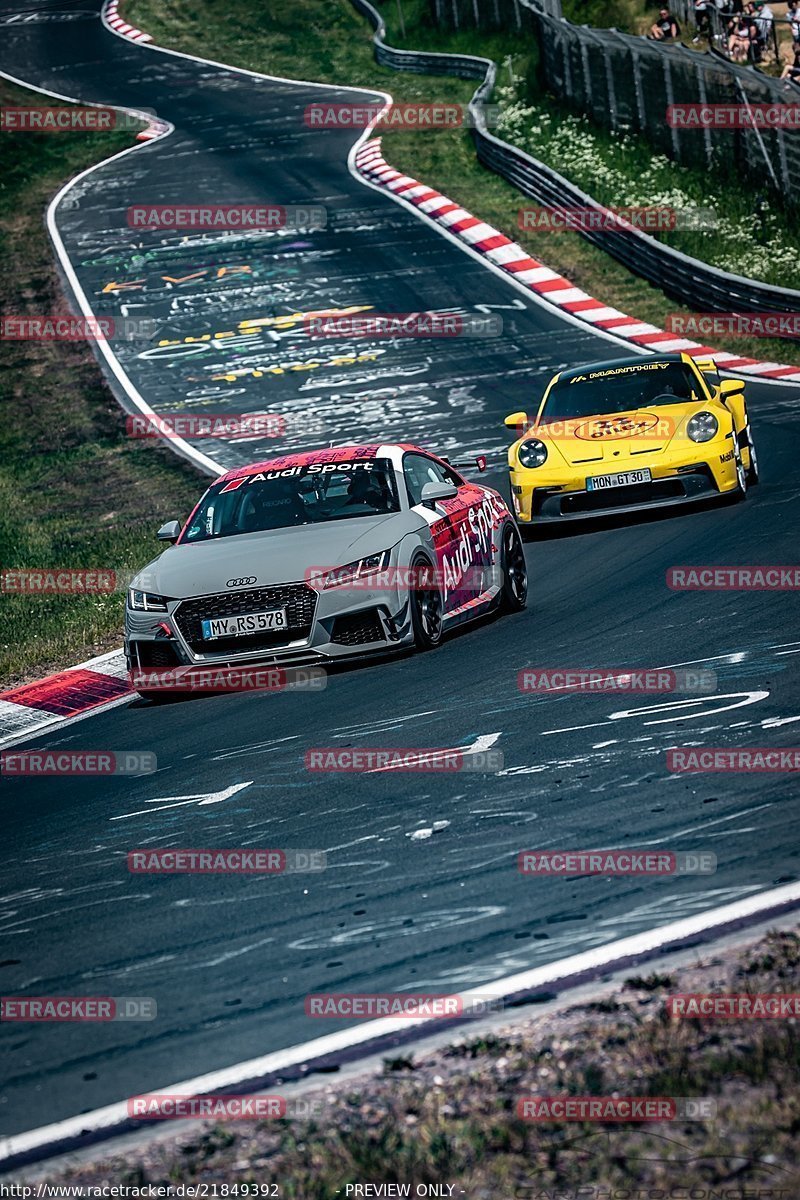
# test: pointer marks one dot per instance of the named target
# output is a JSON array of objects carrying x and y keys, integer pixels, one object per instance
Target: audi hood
[{"x": 273, "y": 556}]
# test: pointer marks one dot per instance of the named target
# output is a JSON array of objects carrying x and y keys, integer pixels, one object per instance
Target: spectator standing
[
  {"x": 701, "y": 19},
  {"x": 764, "y": 22},
  {"x": 793, "y": 17},
  {"x": 741, "y": 38},
  {"x": 666, "y": 28}
]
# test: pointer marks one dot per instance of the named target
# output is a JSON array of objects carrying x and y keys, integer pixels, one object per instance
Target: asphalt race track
[{"x": 229, "y": 959}]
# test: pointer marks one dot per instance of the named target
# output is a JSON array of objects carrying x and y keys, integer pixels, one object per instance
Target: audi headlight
[
  {"x": 702, "y": 427},
  {"x": 370, "y": 565},
  {"x": 532, "y": 453},
  {"x": 146, "y": 601}
]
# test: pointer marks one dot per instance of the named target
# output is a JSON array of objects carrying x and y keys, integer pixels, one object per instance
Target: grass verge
[
  {"x": 75, "y": 492},
  {"x": 331, "y": 43},
  {"x": 449, "y": 1117}
]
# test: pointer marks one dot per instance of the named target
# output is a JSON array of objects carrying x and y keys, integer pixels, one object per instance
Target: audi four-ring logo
[{"x": 241, "y": 582}]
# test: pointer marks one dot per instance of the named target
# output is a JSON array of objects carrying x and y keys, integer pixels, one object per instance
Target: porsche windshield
[
  {"x": 621, "y": 389},
  {"x": 298, "y": 495}
]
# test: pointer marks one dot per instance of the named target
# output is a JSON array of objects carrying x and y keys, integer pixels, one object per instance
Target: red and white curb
[
  {"x": 111, "y": 14},
  {"x": 111, "y": 17},
  {"x": 154, "y": 130},
  {"x": 62, "y": 697},
  {"x": 547, "y": 284}
]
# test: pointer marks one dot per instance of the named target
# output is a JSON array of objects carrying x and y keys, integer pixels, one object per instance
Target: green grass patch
[
  {"x": 748, "y": 235},
  {"x": 75, "y": 492}
]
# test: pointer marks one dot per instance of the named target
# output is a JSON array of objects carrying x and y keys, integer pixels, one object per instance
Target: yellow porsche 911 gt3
[{"x": 631, "y": 434}]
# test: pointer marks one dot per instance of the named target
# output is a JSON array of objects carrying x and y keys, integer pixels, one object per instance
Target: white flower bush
[{"x": 755, "y": 245}]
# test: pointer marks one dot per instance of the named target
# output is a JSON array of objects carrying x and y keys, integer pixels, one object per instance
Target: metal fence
[
  {"x": 716, "y": 24},
  {"x": 688, "y": 281},
  {"x": 625, "y": 83}
]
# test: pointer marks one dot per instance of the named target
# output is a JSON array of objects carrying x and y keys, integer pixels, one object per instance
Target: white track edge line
[{"x": 638, "y": 944}]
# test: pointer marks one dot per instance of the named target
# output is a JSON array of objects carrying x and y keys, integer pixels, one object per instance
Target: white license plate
[
  {"x": 245, "y": 625},
  {"x": 599, "y": 483}
]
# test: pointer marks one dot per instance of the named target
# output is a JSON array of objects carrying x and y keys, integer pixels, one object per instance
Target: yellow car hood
[{"x": 609, "y": 436}]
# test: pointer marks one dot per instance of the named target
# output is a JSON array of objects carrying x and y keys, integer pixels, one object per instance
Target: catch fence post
[
  {"x": 701, "y": 91},
  {"x": 676, "y": 145}
]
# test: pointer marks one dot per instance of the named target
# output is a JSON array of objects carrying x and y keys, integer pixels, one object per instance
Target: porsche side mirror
[
  {"x": 730, "y": 387},
  {"x": 515, "y": 420},
  {"x": 169, "y": 532},
  {"x": 431, "y": 492}
]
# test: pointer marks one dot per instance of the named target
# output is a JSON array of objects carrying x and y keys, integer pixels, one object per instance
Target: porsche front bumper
[{"x": 542, "y": 497}]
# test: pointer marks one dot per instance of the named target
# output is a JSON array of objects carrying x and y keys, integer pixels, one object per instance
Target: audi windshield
[{"x": 297, "y": 495}]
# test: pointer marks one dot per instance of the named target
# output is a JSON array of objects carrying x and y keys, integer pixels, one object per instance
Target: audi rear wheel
[{"x": 514, "y": 592}]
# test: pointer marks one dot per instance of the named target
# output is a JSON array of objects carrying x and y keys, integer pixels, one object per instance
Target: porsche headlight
[
  {"x": 532, "y": 453},
  {"x": 146, "y": 601},
  {"x": 702, "y": 427},
  {"x": 370, "y": 565}
]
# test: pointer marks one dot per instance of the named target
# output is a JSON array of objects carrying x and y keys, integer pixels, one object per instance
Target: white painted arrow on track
[
  {"x": 198, "y": 798},
  {"x": 484, "y": 742}
]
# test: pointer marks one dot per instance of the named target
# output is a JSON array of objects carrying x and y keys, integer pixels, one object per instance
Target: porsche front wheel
[{"x": 741, "y": 477}]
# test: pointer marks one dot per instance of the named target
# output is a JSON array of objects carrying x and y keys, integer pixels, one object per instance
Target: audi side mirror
[
  {"x": 169, "y": 532},
  {"x": 432, "y": 492}
]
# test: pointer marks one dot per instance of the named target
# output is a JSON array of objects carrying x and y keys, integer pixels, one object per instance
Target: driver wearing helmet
[
  {"x": 275, "y": 504},
  {"x": 364, "y": 489}
]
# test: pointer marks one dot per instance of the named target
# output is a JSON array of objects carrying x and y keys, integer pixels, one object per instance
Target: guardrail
[{"x": 688, "y": 281}]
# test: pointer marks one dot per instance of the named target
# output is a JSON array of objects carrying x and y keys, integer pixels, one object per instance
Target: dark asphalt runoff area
[{"x": 229, "y": 959}]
